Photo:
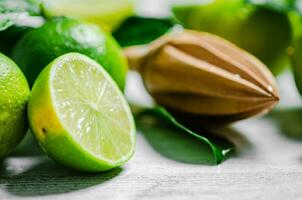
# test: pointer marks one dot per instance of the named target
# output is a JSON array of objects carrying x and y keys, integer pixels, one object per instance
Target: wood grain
[{"x": 268, "y": 165}]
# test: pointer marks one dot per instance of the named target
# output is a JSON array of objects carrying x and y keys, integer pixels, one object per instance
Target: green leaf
[
  {"x": 30, "y": 6},
  {"x": 141, "y": 30},
  {"x": 17, "y": 17},
  {"x": 5, "y": 23},
  {"x": 178, "y": 142},
  {"x": 18, "y": 12}
]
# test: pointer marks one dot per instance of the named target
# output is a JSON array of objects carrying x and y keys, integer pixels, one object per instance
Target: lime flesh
[{"x": 80, "y": 116}]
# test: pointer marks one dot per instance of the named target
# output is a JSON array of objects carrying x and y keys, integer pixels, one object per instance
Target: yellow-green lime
[
  {"x": 62, "y": 35},
  {"x": 102, "y": 12},
  {"x": 296, "y": 61},
  {"x": 14, "y": 94},
  {"x": 264, "y": 32},
  {"x": 79, "y": 115}
]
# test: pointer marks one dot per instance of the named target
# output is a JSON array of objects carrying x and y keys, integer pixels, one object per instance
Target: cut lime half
[{"x": 80, "y": 116}]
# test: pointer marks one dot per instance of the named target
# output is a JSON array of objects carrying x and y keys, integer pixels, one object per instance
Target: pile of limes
[{"x": 76, "y": 108}]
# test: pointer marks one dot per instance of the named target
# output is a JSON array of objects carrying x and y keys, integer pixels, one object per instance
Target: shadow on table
[
  {"x": 289, "y": 121},
  {"x": 27, "y": 147},
  {"x": 45, "y": 177},
  {"x": 49, "y": 178},
  {"x": 179, "y": 146}
]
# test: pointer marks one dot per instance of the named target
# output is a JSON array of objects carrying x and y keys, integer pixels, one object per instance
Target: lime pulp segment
[{"x": 92, "y": 109}]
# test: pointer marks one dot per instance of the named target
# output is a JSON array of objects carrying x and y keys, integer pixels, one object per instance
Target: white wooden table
[{"x": 268, "y": 165}]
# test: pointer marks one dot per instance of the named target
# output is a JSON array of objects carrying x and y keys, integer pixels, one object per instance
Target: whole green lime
[
  {"x": 262, "y": 31},
  {"x": 297, "y": 62},
  {"x": 14, "y": 94},
  {"x": 62, "y": 35}
]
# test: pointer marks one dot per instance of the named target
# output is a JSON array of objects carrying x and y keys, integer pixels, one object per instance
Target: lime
[
  {"x": 102, "y": 12},
  {"x": 297, "y": 62},
  {"x": 262, "y": 31},
  {"x": 61, "y": 35},
  {"x": 14, "y": 94},
  {"x": 79, "y": 115}
]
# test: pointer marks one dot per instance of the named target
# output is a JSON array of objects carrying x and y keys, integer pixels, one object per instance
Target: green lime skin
[
  {"x": 14, "y": 95},
  {"x": 296, "y": 59},
  {"x": 62, "y": 35},
  {"x": 264, "y": 32}
]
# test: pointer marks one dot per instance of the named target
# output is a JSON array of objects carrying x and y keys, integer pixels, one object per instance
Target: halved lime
[
  {"x": 103, "y": 12},
  {"x": 79, "y": 115}
]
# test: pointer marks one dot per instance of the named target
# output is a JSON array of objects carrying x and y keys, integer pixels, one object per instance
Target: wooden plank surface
[{"x": 268, "y": 165}]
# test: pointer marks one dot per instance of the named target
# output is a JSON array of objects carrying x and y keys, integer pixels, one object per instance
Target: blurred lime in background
[
  {"x": 297, "y": 62},
  {"x": 262, "y": 29},
  {"x": 296, "y": 53},
  {"x": 14, "y": 94},
  {"x": 106, "y": 13},
  {"x": 62, "y": 35},
  {"x": 295, "y": 16}
]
